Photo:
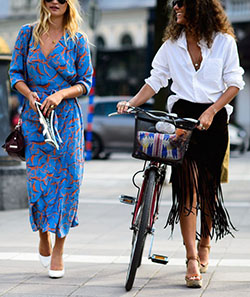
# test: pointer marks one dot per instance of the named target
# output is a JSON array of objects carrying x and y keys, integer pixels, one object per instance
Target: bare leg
[
  {"x": 204, "y": 247},
  {"x": 44, "y": 244},
  {"x": 188, "y": 229},
  {"x": 57, "y": 254},
  {"x": 205, "y": 244}
]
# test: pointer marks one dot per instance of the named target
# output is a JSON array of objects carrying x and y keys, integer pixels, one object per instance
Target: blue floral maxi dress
[{"x": 54, "y": 176}]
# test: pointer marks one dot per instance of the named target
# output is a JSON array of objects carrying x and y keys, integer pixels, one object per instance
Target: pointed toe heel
[
  {"x": 45, "y": 261},
  {"x": 56, "y": 273}
]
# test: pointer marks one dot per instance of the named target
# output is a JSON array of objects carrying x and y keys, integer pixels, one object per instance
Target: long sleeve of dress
[
  {"x": 17, "y": 65},
  {"x": 84, "y": 67}
]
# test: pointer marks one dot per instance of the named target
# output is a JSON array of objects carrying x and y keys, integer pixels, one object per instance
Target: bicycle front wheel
[{"x": 141, "y": 228}]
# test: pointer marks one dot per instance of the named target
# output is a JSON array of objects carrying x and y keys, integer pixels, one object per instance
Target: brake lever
[
  {"x": 113, "y": 114},
  {"x": 130, "y": 110}
]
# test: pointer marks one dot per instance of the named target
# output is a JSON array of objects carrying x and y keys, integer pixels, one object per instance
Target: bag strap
[{"x": 27, "y": 51}]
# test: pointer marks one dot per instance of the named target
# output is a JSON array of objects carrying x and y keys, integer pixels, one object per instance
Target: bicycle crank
[{"x": 160, "y": 259}]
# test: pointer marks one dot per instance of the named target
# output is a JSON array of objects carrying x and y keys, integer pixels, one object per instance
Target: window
[
  {"x": 105, "y": 108},
  {"x": 126, "y": 41},
  {"x": 100, "y": 42}
]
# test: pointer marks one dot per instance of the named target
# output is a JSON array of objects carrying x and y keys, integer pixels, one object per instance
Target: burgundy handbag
[{"x": 14, "y": 144}]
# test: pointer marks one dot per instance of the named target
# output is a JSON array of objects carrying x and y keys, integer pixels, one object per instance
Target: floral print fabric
[{"x": 54, "y": 176}]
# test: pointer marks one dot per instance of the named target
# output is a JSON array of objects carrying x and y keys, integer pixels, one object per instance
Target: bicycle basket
[{"x": 152, "y": 145}]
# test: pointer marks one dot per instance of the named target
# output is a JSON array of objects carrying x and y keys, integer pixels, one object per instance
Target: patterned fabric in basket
[{"x": 165, "y": 146}]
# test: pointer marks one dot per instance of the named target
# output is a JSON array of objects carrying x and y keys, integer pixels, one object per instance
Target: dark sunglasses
[
  {"x": 179, "y": 3},
  {"x": 60, "y": 1}
]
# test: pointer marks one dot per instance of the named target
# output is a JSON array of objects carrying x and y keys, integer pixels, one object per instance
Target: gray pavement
[{"x": 97, "y": 252}]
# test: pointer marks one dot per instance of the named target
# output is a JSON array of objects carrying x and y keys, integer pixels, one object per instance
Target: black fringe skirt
[{"x": 199, "y": 174}]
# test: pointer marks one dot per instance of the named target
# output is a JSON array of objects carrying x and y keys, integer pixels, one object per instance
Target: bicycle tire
[{"x": 139, "y": 236}]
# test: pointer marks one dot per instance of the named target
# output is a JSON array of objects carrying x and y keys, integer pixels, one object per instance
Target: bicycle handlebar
[{"x": 178, "y": 122}]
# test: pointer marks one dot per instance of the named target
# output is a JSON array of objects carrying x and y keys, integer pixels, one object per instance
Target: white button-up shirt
[{"x": 219, "y": 70}]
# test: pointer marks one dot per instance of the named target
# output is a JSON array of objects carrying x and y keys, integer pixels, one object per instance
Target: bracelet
[
  {"x": 214, "y": 110},
  {"x": 30, "y": 92},
  {"x": 80, "y": 89}
]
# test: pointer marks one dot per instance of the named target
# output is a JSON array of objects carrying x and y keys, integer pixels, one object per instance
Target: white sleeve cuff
[
  {"x": 238, "y": 84},
  {"x": 156, "y": 87}
]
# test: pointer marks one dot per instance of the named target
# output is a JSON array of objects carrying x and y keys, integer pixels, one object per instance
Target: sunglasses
[
  {"x": 60, "y": 1},
  {"x": 179, "y": 3}
]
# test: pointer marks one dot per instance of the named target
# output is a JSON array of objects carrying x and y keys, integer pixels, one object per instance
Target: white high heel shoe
[
  {"x": 56, "y": 273},
  {"x": 45, "y": 261}
]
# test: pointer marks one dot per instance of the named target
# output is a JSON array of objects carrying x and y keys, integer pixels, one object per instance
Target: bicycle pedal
[
  {"x": 160, "y": 259},
  {"x": 127, "y": 199}
]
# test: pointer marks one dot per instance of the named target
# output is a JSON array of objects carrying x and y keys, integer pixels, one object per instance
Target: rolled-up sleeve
[
  {"x": 160, "y": 74},
  {"x": 17, "y": 67},
  {"x": 84, "y": 67},
  {"x": 233, "y": 73}
]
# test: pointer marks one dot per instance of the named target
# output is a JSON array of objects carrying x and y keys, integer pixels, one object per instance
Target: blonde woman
[{"x": 51, "y": 64}]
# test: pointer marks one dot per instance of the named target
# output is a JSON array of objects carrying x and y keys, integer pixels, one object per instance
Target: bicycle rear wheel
[{"x": 140, "y": 229}]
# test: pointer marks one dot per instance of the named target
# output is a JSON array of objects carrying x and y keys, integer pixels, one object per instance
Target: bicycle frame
[
  {"x": 161, "y": 172},
  {"x": 146, "y": 204}
]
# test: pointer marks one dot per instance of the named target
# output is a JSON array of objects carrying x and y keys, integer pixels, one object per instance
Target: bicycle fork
[{"x": 129, "y": 200}]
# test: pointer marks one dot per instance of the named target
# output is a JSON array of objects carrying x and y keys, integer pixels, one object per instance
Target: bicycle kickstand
[{"x": 160, "y": 259}]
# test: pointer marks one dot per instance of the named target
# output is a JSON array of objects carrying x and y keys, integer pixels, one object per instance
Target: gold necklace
[
  {"x": 54, "y": 41},
  {"x": 196, "y": 63},
  {"x": 197, "y": 66}
]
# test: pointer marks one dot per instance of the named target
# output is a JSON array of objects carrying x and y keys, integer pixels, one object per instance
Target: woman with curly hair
[
  {"x": 51, "y": 64},
  {"x": 200, "y": 55}
]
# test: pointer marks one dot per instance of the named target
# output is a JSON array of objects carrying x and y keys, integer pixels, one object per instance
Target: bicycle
[{"x": 158, "y": 150}]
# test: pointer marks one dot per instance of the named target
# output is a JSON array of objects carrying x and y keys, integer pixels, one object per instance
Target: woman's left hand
[
  {"x": 51, "y": 102},
  {"x": 206, "y": 119}
]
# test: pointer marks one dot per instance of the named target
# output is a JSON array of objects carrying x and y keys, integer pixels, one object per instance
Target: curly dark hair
[{"x": 204, "y": 18}]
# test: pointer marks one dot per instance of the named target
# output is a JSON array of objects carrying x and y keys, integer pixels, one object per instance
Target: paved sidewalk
[{"x": 97, "y": 252}]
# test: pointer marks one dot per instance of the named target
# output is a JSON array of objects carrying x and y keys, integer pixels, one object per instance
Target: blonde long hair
[{"x": 71, "y": 22}]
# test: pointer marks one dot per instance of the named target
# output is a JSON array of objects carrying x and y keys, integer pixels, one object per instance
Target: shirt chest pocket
[{"x": 213, "y": 69}]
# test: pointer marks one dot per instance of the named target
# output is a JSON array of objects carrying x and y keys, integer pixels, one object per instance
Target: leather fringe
[{"x": 193, "y": 179}]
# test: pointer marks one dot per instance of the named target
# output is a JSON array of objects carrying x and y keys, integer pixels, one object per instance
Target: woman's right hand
[
  {"x": 122, "y": 106},
  {"x": 32, "y": 97}
]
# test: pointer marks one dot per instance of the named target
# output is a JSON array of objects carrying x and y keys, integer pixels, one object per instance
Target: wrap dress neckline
[{"x": 52, "y": 50}]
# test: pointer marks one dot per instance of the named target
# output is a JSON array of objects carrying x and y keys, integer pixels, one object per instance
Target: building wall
[
  {"x": 238, "y": 10},
  {"x": 9, "y": 28},
  {"x": 4, "y": 11},
  {"x": 23, "y": 7},
  {"x": 114, "y": 24},
  {"x": 112, "y": 27}
]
